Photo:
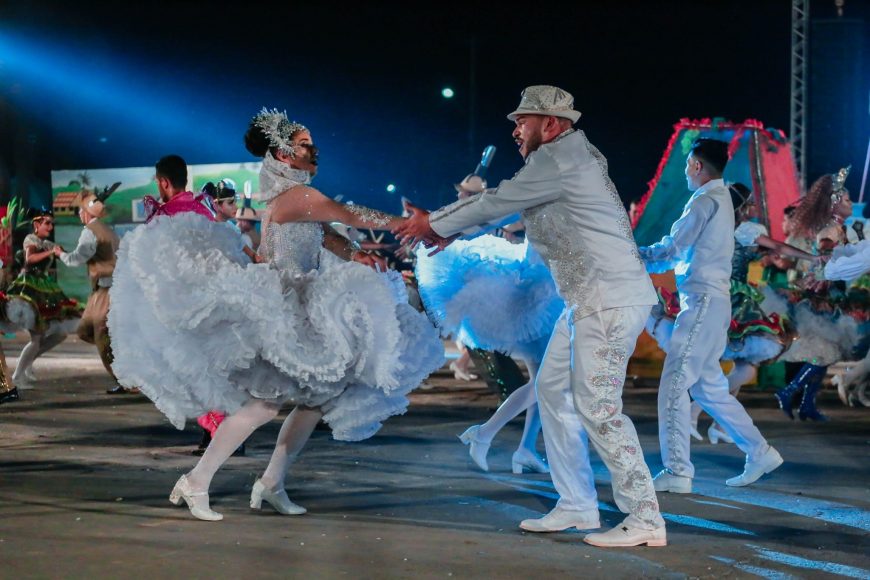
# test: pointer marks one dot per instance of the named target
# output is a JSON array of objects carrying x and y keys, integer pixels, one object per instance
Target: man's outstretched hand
[{"x": 416, "y": 227}]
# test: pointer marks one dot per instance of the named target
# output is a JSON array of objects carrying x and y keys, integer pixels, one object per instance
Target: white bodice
[{"x": 293, "y": 248}]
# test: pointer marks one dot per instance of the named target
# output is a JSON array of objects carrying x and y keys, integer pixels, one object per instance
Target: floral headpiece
[
  {"x": 279, "y": 129},
  {"x": 839, "y": 179}
]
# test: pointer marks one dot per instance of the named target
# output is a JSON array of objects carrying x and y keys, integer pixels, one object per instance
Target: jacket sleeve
[
  {"x": 85, "y": 250},
  {"x": 664, "y": 255},
  {"x": 849, "y": 262},
  {"x": 538, "y": 182}
]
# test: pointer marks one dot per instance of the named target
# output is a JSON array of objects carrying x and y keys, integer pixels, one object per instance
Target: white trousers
[
  {"x": 579, "y": 389},
  {"x": 692, "y": 366}
]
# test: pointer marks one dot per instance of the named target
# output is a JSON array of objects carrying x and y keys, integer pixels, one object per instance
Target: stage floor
[{"x": 84, "y": 480}]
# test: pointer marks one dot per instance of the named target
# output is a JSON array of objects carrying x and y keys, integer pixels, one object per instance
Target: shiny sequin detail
[
  {"x": 624, "y": 223},
  {"x": 454, "y": 207},
  {"x": 676, "y": 433},
  {"x": 616, "y": 436},
  {"x": 293, "y": 248},
  {"x": 548, "y": 231},
  {"x": 278, "y": 128},
  {"x": 372, "y": 217}
]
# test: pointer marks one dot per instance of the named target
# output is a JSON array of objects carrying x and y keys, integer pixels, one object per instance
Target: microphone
[
  {"x": 475, "y": 182},
  {"x": 485, "y": 161}
]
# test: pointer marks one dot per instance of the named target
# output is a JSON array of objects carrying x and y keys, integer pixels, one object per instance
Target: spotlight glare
[
  {"x": 391, "y": 188},
  {"x": 447, "y": 93}
]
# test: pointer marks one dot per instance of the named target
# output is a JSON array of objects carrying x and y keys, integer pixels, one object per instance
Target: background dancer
[
  {"x": 694, "y": 249},
  {"x": 96, "y": 247},
  {"x": 36, "y": 301},
  {"x": 753, "y": 335},
  {"x": 495, "y": 296},
  {"x": 823, "y": 311},
  {"x": 562, "y": 190}
]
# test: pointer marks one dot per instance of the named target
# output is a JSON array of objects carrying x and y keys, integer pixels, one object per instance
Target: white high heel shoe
[
  {"x": 523, "y": 459},
  {"x": 276, "y": 499},
  {"x": 460, "y": 374},
  {"x": 476, "y": 448},
  {"x": 716, "y": 435},
  {"x": 693, "y": 431},
  {"x": 842, "y": 390},
  {"x": 197, "y": 501}
]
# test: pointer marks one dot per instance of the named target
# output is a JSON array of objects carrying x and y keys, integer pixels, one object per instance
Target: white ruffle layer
[
  {"x": 822, "y": 339},
  {"x": 491, "y": 294},
  {"x": 199, "y": 328}
]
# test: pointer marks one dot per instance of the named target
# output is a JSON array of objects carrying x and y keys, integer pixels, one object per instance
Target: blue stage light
[{"x": 447, "y": 93}]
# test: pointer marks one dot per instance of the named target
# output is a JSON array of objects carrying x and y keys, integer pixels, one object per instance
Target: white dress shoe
[
  {"x": 476, "y": 447},
  {"x": 753, "y": 470},
  {"x": 197, "y": 501},
  {"x": 693, "y": 431},
  {"x": 716, "y": 435},
  {"x": 625, "y": 536},
  {"x": 667, "y": 481},
  {"x": 559, "y": 519},
  {"x": 276, "y": 499},
  {"x": 525, "y": 460}
]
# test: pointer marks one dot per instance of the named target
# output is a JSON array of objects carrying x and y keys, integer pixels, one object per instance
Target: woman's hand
[{"x": 370, "y": 260}]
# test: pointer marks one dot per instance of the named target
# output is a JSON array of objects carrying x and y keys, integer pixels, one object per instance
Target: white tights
[
  {"x": 236, "y": 429},
  {"x": 40, "y": 343},
  {"x": 522, "y": 399}
]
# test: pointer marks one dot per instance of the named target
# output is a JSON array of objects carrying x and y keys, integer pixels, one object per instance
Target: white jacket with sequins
[{"x": 574, "y": 219}]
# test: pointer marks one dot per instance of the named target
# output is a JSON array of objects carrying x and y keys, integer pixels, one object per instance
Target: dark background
[{"x": 90, "y": 85}]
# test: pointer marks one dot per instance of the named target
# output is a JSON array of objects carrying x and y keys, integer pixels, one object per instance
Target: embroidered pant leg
[
  {"x": 712, "y": 390},
  {"x": 602, "y": 343},
  {"x": 564, "y": 436},
  {"x": 698, "y": 338}
]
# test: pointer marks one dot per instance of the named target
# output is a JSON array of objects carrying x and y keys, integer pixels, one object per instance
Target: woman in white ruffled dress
[
  {"x": 198, "y": 327},
  {"x": 497, "y": 296}
]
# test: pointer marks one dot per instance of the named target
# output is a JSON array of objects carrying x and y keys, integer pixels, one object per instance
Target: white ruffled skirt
[
  {"x": 491, "y": 294},
  {"x": 198, "y": 327}
]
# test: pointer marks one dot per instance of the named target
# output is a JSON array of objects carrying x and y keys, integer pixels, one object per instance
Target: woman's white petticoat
[
  {"x": 491, "y": 294},
  {"x": 198, "y": 327}
]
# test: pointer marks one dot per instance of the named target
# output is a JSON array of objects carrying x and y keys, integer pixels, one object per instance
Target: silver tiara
[
  {"x": 839, "y": 179},
  {"x": 279, "y": 129}
]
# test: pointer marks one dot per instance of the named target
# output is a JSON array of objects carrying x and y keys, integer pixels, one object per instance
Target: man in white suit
[{"x": 575, "y": 220}]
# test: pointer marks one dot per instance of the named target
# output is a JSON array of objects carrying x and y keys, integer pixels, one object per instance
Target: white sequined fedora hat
[{"x": 546, "y": 100}]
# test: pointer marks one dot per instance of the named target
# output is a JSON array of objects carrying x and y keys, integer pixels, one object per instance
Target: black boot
[
  {"x": 800, "y": 381},
  {"x": 808, "y": 408},
  {"x": 9, "y": 396}
]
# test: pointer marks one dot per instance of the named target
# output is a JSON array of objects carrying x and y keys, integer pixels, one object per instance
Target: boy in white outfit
[{"x": 699, "y": 250}]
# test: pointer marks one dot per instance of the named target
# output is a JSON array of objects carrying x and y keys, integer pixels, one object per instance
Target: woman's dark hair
[
  {"x": 740, "y": 195},
  {"x": 816, "y": 208},
  {"x": 712, "y": 152},
  {"x": 257, "y": 142},
  {"x": 38, "y": 215}
]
